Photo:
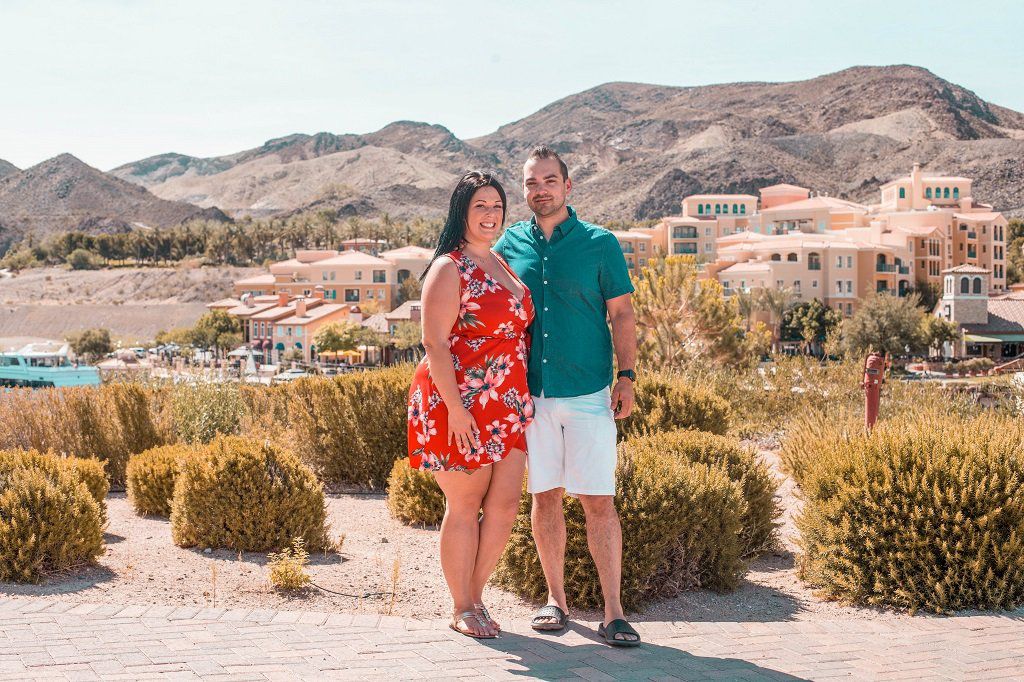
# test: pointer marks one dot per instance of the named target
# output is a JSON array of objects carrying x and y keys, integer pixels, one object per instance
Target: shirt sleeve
[{"x": 614, "y": 273}]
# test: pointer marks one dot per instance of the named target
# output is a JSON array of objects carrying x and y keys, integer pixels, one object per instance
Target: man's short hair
[{"x": 546, "y": 152}]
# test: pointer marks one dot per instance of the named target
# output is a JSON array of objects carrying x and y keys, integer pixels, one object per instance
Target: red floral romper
[{"x": 489, "y": 345}]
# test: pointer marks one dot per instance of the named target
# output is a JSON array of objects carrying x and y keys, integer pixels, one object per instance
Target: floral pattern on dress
[{"x": 488, "y": 345}]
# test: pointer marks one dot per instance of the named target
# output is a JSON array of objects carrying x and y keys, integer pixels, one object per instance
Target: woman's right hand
[{"x": 462, "y": 430}]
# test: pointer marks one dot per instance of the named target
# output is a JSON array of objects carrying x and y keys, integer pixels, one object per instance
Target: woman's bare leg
[
  {"x": 460, "y": 536},
  {"x": 501, "y": 504}
]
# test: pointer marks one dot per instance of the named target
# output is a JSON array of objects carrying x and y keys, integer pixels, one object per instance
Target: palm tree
[{"x": 775, "y": 302}]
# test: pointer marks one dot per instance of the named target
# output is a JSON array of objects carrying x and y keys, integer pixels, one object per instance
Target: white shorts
[{"x": 571, "y": 445}]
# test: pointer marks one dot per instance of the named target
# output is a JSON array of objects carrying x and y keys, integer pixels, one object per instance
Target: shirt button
[
  {"x": 545, "y": 308},
  {"x": 545, "y": 281},
  {"x": 545, "y": 335},
  {"x": 545, "y": 257},
  {"x": 544, "y": 360}
]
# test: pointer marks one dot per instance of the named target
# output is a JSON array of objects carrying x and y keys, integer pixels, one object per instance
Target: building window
[
  {"x": 945, "y": 192},
  {"x": 680, "y": 248},
  {"x": 849, "y": 286},
  {"x": 977, "y": 285},
  {"x": 814, "y": 284},
  {"x": 718, "y": 208},
  {"x": 927, "y": 192},
  {"x": 380, "y": 294},
  {"x": 903, "y": 192},
  {"x": 643, "y": 247},
  {"x": 839, "y": 287},
  {"x": 707, "y": 248},
  {"x": 813, "y": 261},
  {"x": 359, "y": 275},
  {"x": 707, "y": 231},
  {"x": 287, "y": 331},
  {"x": 700, "y": 209},
  {"x": 707, "y": 208},
  {"x": 351, "y": 295},
  {"x": 325, "y": 276},
  {"x": 369, "y": 294},
  {"x": 839, "y": 261},
  {"x": 778, "y": 284},
  {"x": 791, "y": 257},
  {"x": 796, "y": 286},
  {"x": 849, "y": 261},
  {"x": 379, "y": 276},
  {"x": 735, "y": 208},
  {"x": 776, "y": 257},
  {"x": 965, "y": 286},
  {"x": 849, "y": 309},
  {"x": 956, "y": 192}
]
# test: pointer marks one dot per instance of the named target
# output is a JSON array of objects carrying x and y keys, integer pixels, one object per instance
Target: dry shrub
[
  {"x": 151, "y": 476},
  {"x": 90, "y": 472},
  {"x": 743, "y": 467},
  {"x": 49, "y": 519},
  {"x": 414, "y": 496},
  {"x": 109, "y": 423},
  {"x": 248, "y": 495},
  {"x": 666, "y": 402},
  {"x": 351, "y": 428},
  {"x": 926, "y": 512},
  {"x": 682, "y": 526}
]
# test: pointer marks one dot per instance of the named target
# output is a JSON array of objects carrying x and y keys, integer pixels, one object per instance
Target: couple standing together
[{"x": 519, "y": 360}]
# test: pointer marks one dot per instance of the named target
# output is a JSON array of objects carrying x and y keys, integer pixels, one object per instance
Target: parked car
[{"x": 291, "y": 374}]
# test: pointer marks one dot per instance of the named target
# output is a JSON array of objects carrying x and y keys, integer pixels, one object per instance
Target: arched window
[
  {"x": 743, "y": 209},
  {"x": 977, "y": 285},
  {"x": 700, "y": 209},
  {"x": 791, "y": 257},
  {"x": 927, "y": 192},
  {"x": 707, "y": 208},
  {"x": 903, "y": 192},
  {"x": 813, "y": 261},
  {"x": 718, "y": 208},
  {"x": 776, "y": 256},
  {"x": 735, "y": 208},
  {"x": 965, "y": 285},
  {"x": 945, "y": 192},
  {"x": 956, "y": 192}
]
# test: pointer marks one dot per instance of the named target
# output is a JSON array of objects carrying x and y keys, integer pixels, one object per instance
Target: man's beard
[{"x": 551, "y": 209}]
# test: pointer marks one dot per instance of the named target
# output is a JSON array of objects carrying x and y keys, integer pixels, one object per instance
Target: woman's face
[{"x": 483, "y": 220}]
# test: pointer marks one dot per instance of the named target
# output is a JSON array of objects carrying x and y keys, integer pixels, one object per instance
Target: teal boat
[{"x": 39, "y": 365}]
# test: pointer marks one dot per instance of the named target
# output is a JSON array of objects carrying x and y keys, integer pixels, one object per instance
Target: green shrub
[
  {"x": 666, "y": 402},
  {"x": 203, "y": 411},
  {"x": 414, "y": 496},
  {"x": 288, "y": 567},
  {"x": 49, "y": 522},
  {"x": 682, "y": 529},
  {"x": 151, "y": 476},
  {"x": 925, "y": 513},
  {"x": 741, "y": 465},
  {"x": 247, "y": 495},
  {"x": 351, "y": 428},
  {"x": 812, "y": 435}
]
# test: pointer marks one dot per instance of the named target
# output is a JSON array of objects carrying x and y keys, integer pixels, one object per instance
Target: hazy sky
[{"x": 113, "y": 81}]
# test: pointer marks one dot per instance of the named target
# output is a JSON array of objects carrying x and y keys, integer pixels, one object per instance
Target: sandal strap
[
  {"x": 620, "y": 626},
  {"x": 550, "y": 611},
  {"x": 483, "y": 611}
]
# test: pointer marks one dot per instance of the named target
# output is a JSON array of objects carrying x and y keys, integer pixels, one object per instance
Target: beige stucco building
[{"x": 837, "y": 250}]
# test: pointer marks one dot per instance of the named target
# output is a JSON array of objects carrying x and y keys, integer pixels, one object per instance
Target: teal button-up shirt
[{"x": 570, "y": 277}]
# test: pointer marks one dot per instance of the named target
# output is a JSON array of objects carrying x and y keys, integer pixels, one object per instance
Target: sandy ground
[
  {"x": 133, "y": 303},
  {"x": 142, "y": 566}
]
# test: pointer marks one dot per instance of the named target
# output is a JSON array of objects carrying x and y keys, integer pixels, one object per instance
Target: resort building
[
  {"x": 992, "y": 325},
  {"x": 832, "y": 249},
  {"x": 352, "y": 276}
]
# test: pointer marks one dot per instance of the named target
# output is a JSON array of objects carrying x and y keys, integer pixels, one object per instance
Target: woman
[{"x": 469, "y": 404}]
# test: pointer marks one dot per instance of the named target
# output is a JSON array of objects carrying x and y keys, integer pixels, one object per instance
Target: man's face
[{"x": 544, "y": 187}]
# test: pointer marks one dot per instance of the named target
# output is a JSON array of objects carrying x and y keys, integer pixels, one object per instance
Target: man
[{"x": 579, "y": 280}]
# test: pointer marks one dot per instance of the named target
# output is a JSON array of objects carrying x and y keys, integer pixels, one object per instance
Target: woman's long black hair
[{"x": 454, "y": 231}]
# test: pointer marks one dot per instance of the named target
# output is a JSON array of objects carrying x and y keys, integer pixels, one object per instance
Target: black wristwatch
[{"x": 628, "y": 373}]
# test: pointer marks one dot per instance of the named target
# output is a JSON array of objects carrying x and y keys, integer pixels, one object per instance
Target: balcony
[
  {"x": 814, "y": 266},
  {"x": 884, "y": 267},
  {"x": 904, "y": 269},
  {"x": 972, "y": 235},
  {"x": 684, "y": 233}
]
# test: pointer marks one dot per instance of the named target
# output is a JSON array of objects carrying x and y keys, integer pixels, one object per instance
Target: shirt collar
[{"x": 564, "y": 227}]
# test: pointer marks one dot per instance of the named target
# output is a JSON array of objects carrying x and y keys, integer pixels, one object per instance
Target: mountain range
[{"x": 634, "y": 150}]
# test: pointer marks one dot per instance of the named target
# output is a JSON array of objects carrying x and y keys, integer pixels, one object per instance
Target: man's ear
[{"x": 568, "y": 186}]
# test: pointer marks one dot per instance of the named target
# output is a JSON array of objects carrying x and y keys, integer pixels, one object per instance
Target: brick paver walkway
[{"x": 46, "y": 639}]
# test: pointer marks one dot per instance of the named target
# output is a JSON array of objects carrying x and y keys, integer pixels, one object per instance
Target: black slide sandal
[
  {"x": 550, "y": 611},
  {"x": 619, "y": 627}
]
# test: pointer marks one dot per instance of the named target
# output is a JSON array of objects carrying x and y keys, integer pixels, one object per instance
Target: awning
[
  {"x": 266, "y": 344},
  {"x": 280, "y": 346},
  {"x": 978, "y": 338}
]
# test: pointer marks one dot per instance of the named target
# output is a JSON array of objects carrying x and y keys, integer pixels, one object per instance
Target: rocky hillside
[
  {"x": 63, "y": 193},
  {"x": 6, "y": 168}
]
